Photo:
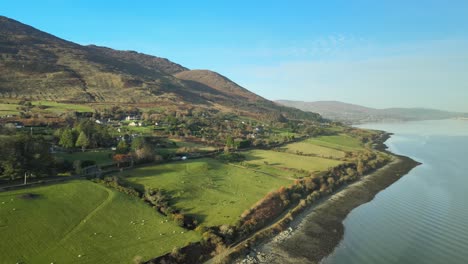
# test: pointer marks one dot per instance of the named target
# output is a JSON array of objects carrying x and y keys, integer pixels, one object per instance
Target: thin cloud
[{"x": 430, "y": 74}]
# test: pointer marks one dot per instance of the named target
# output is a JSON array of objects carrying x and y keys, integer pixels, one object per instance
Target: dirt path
[{"x": 110, "y": 196}]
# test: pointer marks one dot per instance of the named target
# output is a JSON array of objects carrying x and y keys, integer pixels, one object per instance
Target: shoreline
[{"x": 317, "y": 231}]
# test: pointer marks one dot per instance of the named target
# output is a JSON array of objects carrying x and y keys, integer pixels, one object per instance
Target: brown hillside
[{"x": 38, "y": 66}]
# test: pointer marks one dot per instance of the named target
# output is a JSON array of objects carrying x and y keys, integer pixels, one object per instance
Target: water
[{"x": 423, "y": 217}]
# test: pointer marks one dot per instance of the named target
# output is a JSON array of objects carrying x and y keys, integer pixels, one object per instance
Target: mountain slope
[
  {"x": 38, "y": 66},
  {"x": 352, "y": 113}
]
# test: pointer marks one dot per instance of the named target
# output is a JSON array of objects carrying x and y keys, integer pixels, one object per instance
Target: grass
[
  {"x": 308, "y": 148},
  {"x": 62, "y": 107},
  {"x": 145, "y": 130},
  {"x": 326, "y": 146},
  {"x": 214, "y": 192},
  {"x": 338, "y": 142},
  {"x": 61, "y": 223},
  {"x": 101, "y": 157},
  {"x": 288, "y": 160},
  {"x": 10, "y": 108}
]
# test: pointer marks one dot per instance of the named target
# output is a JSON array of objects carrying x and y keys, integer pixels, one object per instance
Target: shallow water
[{"x": 423, "y": 217}]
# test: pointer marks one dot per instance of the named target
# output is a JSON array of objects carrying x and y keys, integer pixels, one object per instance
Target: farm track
[{"x": 110, "y": 196}]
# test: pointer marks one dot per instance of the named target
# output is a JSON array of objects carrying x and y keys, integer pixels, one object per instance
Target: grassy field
[
  {"x": 61, "y": 107},
  {"x": 83, "y": 222},
  {"x": 144, "y": 130},
  {"x": 339, "y": 142},
  {"x": 326, "y": 146},
  {"x": 288, "y": 160},
  {"x": 312, "y": 149},
  {"x": 8, "y": 109},
  {"x": 101, "y": 157},
  {"x": 214, "y": 192},
  {"x": 11, "y": 107}
]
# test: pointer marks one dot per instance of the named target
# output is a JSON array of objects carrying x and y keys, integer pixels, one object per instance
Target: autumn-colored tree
[
  {"x": 121, "y": 158},
  {"x": 144, "y": 154},
  {"x": 310, "y": 184}
]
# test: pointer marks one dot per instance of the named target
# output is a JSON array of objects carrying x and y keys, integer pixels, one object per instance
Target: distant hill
[
  {"x": 351, "y": 113},
  {"x": 38, "y": 66}
]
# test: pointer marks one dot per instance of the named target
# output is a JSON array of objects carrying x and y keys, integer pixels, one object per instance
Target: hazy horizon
[
  {"x": 363, "y": 105},
  {"x": 380, "y": 55}
]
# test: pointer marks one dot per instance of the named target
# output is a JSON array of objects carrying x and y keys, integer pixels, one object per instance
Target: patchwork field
[
  {"x": 214, "y": 192},
  {"x": 83, "y": 222}
]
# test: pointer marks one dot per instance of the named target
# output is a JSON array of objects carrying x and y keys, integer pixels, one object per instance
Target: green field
[
  {"x": 61, "y": 107},
  {"x": 214, "y": 192},
  {"x": 288, "y": 160},
  {"x": 11, "y": 108},
  {"x": 83, "y": 218},
  {"x": 8, "y": 109},
  {"x": 339, "y": 142},
  {"x": 101, "y": 157},
  {"x": 308, "y": 148},
  {"x": 326, "y": 146},
  {"x": 144, "y": 130}
]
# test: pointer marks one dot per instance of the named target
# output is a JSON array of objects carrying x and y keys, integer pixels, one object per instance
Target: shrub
[{"x": 231, "y": 157}]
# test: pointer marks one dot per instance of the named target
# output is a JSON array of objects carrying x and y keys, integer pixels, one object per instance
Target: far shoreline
[{"x": 317, "y": 231}]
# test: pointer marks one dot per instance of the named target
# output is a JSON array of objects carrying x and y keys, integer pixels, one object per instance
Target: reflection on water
[{"x": 423, "y": 217}]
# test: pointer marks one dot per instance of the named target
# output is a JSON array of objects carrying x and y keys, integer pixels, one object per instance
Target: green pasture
[
  {"x": 83, "y": 222},
  {"x": 308, "y": 148},
  {"x": 214, "y": 192},
  {"x": 288, "y": 160},
  {"x": 339, "y": 142}
]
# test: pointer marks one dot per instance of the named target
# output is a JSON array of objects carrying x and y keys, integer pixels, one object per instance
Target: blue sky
[{"x": 375, "y": 53}]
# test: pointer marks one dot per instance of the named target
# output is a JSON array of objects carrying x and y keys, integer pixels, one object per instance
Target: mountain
[
  {"x": 39, "y": 66},
  {"x": 351, "y": 113}
]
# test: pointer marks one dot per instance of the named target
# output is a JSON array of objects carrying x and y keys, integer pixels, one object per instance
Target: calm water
[{"x": 423, "y": 217}]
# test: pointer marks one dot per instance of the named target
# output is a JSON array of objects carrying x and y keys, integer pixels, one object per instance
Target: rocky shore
[{"x": 315, "y": 233}]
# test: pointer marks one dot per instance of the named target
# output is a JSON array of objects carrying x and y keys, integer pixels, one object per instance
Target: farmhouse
[{"x": 135, "y": 124}]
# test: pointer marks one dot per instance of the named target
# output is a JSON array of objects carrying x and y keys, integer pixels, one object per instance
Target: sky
[{"x": 374, "y": 53}]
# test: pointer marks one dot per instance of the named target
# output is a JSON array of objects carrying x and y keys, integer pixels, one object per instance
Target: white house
[{"x": 135, "y": 124}]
